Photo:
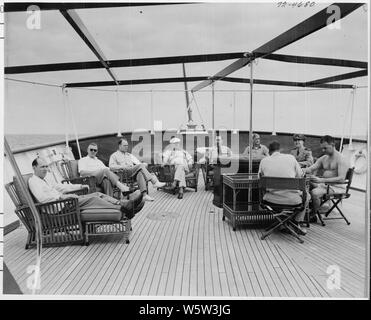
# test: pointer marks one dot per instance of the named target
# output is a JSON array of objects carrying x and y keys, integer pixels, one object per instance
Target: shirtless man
[{"x": 334, "y": 167}]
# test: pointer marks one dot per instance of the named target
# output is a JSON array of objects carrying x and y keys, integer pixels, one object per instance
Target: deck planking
[{"x": 197, "y": 254}]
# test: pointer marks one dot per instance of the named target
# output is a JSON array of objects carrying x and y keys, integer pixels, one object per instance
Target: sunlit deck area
[{"x": 183, "y": 248}]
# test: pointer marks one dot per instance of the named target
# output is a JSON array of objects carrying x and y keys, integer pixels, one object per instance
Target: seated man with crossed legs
[
  {"x": 123, "y": 160},
  {"x": 92, "y": 166}
]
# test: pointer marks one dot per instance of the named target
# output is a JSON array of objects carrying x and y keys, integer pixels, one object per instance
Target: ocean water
[{"x": 18, "y": 141}]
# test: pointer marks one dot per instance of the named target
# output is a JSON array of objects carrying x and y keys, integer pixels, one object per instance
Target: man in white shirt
[
  {"x": 282, "y": 166},
  {"x": 182, "y": 160},
  {"x": 44, "y": 192},
  {"x": 123, "y": 160},
  {"x": 92, "y": 166}
]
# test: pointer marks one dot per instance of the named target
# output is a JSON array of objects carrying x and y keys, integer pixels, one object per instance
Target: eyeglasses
[{"x": 93, "y": 150}]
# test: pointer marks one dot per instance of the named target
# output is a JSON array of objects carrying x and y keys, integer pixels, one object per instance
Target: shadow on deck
[{"x": 183, "y": 248}]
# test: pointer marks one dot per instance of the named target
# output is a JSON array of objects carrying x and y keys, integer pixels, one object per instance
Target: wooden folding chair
[
  {"x": 284, "y": 214},
  {"x": 337, "y": 197}
]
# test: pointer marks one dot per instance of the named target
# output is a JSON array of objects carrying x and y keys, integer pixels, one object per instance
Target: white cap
[{"x": 174, "y": 140}]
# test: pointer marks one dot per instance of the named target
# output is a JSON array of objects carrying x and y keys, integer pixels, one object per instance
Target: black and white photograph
[{"x": 185, "y": 150}]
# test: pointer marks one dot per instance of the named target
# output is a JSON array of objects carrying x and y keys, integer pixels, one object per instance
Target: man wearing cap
[
  {"x": 92, "y": 166},
  {"x": 123, "y": 160},
  {"x": 259, "y": 151},
  {"x": 182, "y": 161},
  {"x": 302, "y": 154}
]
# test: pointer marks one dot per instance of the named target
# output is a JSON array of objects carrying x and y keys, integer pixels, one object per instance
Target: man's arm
[
  {"x": 308, "y": 159},
  {"x": 188, "y": 158},
  {"x": 113, "y": 163},
  {"x": 314, "y": 167},
  {"x": 299, "y": 171},
  {"x": 134, "y": 159},
  {"x": 166, "y": 156},
  {"x": 68, "y": 187},
  {"x": 265, "y": 151}
]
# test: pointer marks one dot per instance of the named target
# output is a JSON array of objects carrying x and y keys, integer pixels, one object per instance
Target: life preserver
[{"x": 358, "y": 160}]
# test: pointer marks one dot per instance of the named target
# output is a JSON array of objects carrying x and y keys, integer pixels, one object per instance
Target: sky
[{"x": 142, "y": 32}]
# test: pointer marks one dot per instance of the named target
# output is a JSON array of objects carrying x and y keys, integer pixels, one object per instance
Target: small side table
[{"x": 241, "y": 200}]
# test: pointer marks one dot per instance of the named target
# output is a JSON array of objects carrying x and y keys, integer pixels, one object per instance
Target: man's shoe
[
  {"x": 301, "y": 231},
  {"x": 313, "y": 219},
  {"x": 159, "y": 184},
  {"x": 127, "y": 208},
  {"x": 148, "y": 198},
  {"x": 180, "y": 195}
]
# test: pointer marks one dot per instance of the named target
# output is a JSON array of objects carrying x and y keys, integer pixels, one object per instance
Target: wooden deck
[{"x": 183, "y": 248}]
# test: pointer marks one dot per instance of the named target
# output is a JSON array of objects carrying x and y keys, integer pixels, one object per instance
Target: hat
[
  {"x": 255, "y": 136},
  {"x": 174, "y": 140},
  {"x": 298, "y": 137}
]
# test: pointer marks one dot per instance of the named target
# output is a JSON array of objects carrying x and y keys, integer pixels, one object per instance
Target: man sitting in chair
[
  {"x": 283, "y": 166},
  {"x": 182, "y": 161},
  {"x": 259, "y": 151},
  {"x": 334, "y": 169},
  {"x": 45, "y": 192},
  {"x": 217, "y": 151},
  {"x": 302, "y": 154},
  {"x": 92, "y": 166},
  {"x": 123, "y": 160}
]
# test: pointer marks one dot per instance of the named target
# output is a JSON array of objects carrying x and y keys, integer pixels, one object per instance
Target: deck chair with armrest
[
  {"x": 61, "y": 220},
  {"x": 63, "y": 223},
  {"x": 284, "y": 214},
  {"x": 130, "y": 181},
  {"x": 336, "y": 198},
  {"x": 165, "y": 173},
  {"x": 208, "y": 174},
  {"x": 70, "y": 171}
]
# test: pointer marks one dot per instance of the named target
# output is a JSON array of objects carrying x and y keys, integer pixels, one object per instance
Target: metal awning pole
[
  {"x": 65, "y": 117},
  {"x": 351, "y": 119},
  {"x": 213, "y": 112},
  {"x": 234, "y": 112},
  {"x": 152, "y": 129},
  {"x": 344, "y": 123},
  {"x": 274, "y": 114},
  {"x": 250, "y": 129},
  {"x": 118, "y": 111},
  {"x": 73, "y": 123},
  {"x": 35, "y": 214}
]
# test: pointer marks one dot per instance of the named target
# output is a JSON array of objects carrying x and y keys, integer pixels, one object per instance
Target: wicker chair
[
  {"x": 166, "y": 173},
  {"x": 61, "y": 220},
  {"x": 208, "y": 174},
  {"x": 131, "y": 182},
  {"x": 63, "y": 223},
  {"x": 70, "y": 171}
]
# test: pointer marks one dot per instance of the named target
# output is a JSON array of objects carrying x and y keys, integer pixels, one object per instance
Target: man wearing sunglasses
[{"x": 92, "y": 166}]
